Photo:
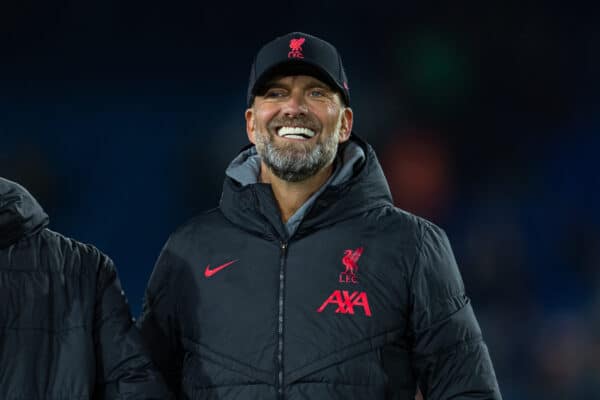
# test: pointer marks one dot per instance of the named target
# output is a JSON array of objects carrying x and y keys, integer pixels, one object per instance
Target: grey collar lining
[{"x": 245, "y": 169}]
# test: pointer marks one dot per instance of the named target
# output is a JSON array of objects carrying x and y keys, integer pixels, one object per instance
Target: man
[
  {"x": 65, "y": 327},
  {"x": 306, "y": 282}
]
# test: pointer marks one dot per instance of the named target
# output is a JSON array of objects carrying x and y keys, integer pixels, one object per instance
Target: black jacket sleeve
[
  {"x": 124, "y": 369},
  {"x": 450, "y": 358},
  {"x": 158, "y": 323}
]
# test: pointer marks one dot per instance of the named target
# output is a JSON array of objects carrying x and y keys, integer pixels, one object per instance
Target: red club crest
[
  {"x": 296, "y": 48},
  {"x": 350, "y": 261}
]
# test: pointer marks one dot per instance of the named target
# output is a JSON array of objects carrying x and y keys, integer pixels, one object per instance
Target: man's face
[{"x": 297, "y": 125}]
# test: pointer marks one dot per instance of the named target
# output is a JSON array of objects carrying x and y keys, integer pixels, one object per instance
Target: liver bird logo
[
  {"x": 350, "y": 260},
  {"x": 296, "y": 48}
]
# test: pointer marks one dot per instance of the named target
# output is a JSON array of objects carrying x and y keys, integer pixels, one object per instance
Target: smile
[{"x": 295, "y": 132}]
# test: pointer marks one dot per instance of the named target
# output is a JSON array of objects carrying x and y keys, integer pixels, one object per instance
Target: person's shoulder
[
  {"x": 205, "y": 224},
  {"x": 206, "y": 218},
  {"x": 398, "y": 222},
  {"x": 74, "y": 253}
]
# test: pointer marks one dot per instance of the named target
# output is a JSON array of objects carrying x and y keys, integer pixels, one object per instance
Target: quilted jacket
[{"x": 363, "y": 301}]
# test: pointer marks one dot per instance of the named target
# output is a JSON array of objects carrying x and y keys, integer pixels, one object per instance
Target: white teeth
[
  {"x": 295, "y": 136},
  {"x": 295, "y": 132}
]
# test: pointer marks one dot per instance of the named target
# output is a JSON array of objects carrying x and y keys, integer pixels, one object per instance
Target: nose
[{"x": 295, "y": 105}]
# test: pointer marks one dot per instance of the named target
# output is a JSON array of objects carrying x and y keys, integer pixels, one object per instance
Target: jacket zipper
[{"x": 280, "y": 320}]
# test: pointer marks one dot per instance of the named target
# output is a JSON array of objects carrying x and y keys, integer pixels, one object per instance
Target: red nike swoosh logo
[{"x": 210, "y": 272}]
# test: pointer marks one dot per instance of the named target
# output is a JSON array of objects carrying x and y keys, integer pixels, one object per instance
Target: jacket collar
[{"x": 252, "y": 206}]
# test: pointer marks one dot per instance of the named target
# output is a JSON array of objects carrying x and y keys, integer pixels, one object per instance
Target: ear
[
  {"x": 250, "y": 125},
  {"x": 346, "y": 124}
]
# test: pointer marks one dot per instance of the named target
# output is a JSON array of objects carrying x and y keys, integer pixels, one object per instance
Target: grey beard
[{"x": 296, "y": 162}]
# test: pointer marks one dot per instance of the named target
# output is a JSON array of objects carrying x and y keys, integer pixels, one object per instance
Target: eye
[
  {"x": 275, "y": 93},
  {"x": 317, "y": 93}
]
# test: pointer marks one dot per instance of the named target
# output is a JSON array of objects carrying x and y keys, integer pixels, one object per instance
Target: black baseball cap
[{"x": 298, "y": 53}]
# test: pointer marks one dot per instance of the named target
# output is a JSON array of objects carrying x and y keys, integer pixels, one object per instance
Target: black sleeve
[
  {"x": 450, "y": 358},
  {"x": 158, "y": 323},
  {"x": 124, "y": 369}
]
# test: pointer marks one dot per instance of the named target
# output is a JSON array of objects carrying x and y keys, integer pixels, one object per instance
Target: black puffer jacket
[
  {"x": 364, "y": 301},
  {"x": 66, "y": 331}
]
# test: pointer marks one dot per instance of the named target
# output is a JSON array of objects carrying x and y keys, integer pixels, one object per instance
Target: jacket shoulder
[
  {"x": 416, "y": 243},
  {"x": 209, "y": 223},
  {"x": 429, "y": 236},
  {"x": 74, "y": 254},
  {"x": 400, "y": 223}
]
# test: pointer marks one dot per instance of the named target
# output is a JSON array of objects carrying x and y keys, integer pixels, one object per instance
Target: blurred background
[{"x": 120, "y": 117}]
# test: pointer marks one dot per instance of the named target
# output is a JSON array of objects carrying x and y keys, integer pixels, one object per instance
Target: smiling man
[
  {"x": 297, "y": 123},
  {"x": 306, "y": 282}
]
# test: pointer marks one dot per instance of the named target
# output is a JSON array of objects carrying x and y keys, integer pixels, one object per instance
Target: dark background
[{"x": 120, "y": 117}]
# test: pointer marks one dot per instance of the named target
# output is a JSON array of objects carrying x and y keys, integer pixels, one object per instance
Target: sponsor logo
[
  {"x": 296, "y": 48},
  {"x": 208, "y": 272},
  {"x": 346, "y": 301},
  {"x": 350, "y": 261}
]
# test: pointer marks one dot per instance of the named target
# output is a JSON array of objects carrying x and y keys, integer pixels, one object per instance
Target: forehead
[{"x": 296, "y": 80}]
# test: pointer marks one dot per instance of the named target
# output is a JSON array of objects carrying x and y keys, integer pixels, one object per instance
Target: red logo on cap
[{"x": 296, "y": 48}]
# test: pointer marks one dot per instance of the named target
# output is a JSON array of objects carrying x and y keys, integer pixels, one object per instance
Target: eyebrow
[
  {"x": 320, "y": 84},
  {"x": 314, "y": 82}
]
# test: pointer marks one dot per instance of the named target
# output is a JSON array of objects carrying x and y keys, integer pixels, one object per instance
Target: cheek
[
  {"x": 333, "y": 114},
  {"x": 333, "y": 109},
  {"x": 263, "y": 117}
]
